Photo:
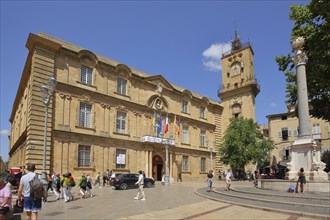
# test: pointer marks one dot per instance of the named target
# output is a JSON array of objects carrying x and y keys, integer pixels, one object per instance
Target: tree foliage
[
  {"x": 325, "y": 158},
  {"x": 243, "y": 143},
  {"x": 311, "y": 21}
]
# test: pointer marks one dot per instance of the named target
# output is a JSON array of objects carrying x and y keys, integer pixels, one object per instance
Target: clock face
[{"x": 235, "y": 69}]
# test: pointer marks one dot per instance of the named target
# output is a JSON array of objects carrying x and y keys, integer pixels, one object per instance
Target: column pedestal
[{"x": 305, "y": 153}]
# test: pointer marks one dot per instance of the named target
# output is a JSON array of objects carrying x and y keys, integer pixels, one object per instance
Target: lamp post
[
  {"x": 211, "y": 149},
  {"x": 46, "y": 94},
  {"x": 166, "y": 140}
]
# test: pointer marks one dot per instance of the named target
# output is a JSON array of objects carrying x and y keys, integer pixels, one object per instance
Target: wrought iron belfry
[{"x": 236, "y": 43}]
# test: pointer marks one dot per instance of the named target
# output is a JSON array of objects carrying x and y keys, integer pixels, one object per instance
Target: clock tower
[{"x": 239, "y": 86}]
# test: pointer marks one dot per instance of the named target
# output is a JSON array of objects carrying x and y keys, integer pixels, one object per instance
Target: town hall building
[{"x": 103, "y": 112}]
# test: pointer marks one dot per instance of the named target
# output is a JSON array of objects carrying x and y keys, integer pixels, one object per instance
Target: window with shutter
[
  {"x": 185, "y": 135},
  {"x": 84, "y": 156},
  {"x": 285, "y": 134},
  {"x": 85, "y": 113},
  {"x": 316, "y": 131},
  {"x": 86, "y": 75}
]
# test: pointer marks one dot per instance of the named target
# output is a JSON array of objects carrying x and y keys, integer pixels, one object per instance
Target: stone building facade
[
  {"x": 100, "y": 111},
  {"x": 283, "y": 129}
]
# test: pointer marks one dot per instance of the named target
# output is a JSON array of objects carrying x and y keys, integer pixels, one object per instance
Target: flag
[
  {"x": 166, "y": 124},
  {"x": 159, "y": 125},
  {"x": 174, "y": 125},
  {"x": 154, "y": 122},
  {"x": 178, "y": 126}
]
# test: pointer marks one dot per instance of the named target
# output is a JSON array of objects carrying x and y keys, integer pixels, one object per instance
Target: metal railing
[
  {"x": 247, "y": 44},
  {"x": 254, "y": 81}
]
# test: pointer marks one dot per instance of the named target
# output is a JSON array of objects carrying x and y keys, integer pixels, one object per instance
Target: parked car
[
  {"x": 128, "y": 180},
  {"x": 113, "y": 177}
]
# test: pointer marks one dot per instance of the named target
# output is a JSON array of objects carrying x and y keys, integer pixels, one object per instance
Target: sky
[{"x": 181, "y": 40}]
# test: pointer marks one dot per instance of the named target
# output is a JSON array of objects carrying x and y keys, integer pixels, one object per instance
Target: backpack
[
  {"x": 72, "y": 182},
  {"x": 36, "y": 188}
]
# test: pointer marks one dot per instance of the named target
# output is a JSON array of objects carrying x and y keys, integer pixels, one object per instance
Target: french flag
[{"x": 166, "y": 124}]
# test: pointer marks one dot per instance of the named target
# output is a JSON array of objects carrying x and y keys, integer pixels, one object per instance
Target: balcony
[{"x": 253, "y": 82}]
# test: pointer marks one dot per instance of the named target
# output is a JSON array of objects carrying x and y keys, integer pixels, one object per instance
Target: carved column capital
[{"x": 300, "y": 59}]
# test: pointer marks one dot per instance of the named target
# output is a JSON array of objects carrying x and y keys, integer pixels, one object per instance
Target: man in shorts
[{"x": 31, "y": 207}]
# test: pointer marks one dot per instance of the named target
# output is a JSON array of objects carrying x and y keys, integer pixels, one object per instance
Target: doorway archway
[{"x": 157, "y": 167}]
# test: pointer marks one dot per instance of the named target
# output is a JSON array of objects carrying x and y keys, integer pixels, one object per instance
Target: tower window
[{"x": 228, "y": 74}]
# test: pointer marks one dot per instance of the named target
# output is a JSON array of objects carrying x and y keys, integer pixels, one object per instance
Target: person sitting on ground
[{"x": 301, "y": 181}]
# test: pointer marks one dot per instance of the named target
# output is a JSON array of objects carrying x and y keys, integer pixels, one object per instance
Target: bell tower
[{"x": 239, "y": 86}]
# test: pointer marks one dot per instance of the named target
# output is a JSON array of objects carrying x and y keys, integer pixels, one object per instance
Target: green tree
[
  {"x": 243, "y": 143},
  {"x": 311, "y": 21},
  {"x": 325, "y": 158}
]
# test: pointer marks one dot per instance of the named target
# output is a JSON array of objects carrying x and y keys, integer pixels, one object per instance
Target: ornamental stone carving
[{"x": 298, "y": 45}]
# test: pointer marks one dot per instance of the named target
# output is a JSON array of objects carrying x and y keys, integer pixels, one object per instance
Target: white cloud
[
  {"x": 212, "y": 56},
  {"x": 4, "y": 132},
  {"x": 273, "y": 104}
]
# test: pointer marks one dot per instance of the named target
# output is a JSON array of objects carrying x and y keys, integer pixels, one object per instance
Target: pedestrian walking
[
  {"x": 89, "y": 185},
  {"x": 72, "y": 183},
  {"x": 257, "y": 176},
  {"x": 219, "y": 175},
  {"x": 179, "y": 176},
  {"x": 57, "y": 186},
  {"x": 31, "y": 206},
  {"x": 105, "y": 177},
  {"x": 65, "y": 182},
  {"x": 228, "y": 177},
  {"x": 209, "y": 180},
  {"x": 97, "y": 180},
  {"x": 83, "y": 185},
  {"x": 140, "y": 182},
  {"x": 50, "y": 183}
]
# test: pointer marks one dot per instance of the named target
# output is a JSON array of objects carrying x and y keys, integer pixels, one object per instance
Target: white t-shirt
[
  {"x": 25, "y": 181},
  {"x": 141, "y": 179},
  {"x": 228, "y": 175}
]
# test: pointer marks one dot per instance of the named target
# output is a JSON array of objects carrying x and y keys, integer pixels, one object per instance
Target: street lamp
[
  {"x": 46, "y": 95},
  {"x": 167, "y": 141},
  {"x": 211, "y": 149}
]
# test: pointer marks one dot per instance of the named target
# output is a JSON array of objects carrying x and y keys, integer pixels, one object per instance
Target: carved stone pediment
[
  {"x": 158, "y": 103},
  {"x": 88, "y": 58}
]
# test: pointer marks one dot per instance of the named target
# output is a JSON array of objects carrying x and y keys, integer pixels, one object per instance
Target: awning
[{"x": 15, "y": 170}]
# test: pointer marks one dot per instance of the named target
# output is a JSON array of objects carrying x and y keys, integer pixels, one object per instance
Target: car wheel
[
  {"x": 148, "y": 184},
  {"x": 123, "y": 186}
]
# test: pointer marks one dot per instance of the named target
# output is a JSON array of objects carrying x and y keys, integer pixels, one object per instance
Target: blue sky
[{"x": 182, "y": 40}]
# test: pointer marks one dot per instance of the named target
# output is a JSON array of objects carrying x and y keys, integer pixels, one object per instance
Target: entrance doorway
[{"x": 157, "y": 168}]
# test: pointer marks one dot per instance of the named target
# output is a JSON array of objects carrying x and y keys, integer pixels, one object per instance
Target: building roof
[{"x": 58, "y": 43}]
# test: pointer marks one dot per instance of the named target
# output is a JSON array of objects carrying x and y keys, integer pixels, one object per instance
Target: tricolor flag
[
  {"x": 178, "y": 126},
  {"x": 159, "y": 125},
  {"x": 166, "y": 124},
  {"x": 154, "y": 122},
  {"x": 174, "y": 124}
]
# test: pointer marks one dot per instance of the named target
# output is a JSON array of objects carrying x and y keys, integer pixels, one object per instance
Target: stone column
[
  {"x": 305, "y": 152},
  {"x": 300, "y": 62}
]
